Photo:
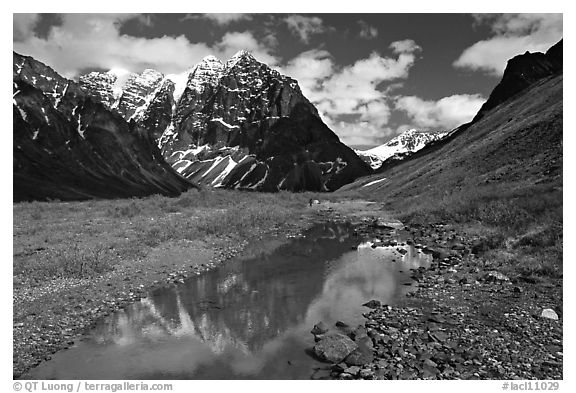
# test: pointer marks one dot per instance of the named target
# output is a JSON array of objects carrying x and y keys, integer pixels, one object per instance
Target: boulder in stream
[
  {"x": 334, "y": 347},
  {"x": 319, "y": 328},
  {"x": 372, "y": 304}
]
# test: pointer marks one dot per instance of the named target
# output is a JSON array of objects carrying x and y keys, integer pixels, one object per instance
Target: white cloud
[
  {"x": 361, "y": 133},
  {"x": 221, "y": 19},
  {"x": 367, "y": 31},
  {"x": 355, "y": 89},
  {"x": 514, "y": 35},
  {"x": 350, "y": 99},
  {"x": 310, "y": 69},
  {"x": 446, "y": 113},
  {"x": 93, "y": 41},
  {"x": 405, "y": 46},
  {"x": 304, "y": 26},
  {"x": 23, "y": 26},
  {"x": 234, "y": 41}
]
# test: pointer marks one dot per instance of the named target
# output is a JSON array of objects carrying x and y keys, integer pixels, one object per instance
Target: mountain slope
[
  {"x": 66, "y": 146},
  {"x": 515, "y": 145},
  {"x": 523, "y": 71},
  {"x": 240, "y": 125}
]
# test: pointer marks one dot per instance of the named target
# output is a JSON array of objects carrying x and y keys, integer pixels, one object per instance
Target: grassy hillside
[{"x": 500, "y": 179}]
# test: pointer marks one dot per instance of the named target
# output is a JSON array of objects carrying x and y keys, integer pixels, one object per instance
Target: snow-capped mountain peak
[
  {"x": 408, "y": 142},
  {"x": 211, "y": 59},
  {"x": 250, "y": 120},
  {"x": 207, "y": 72},
  {"x": 240, "y": 57},
  {"x": 180, "y": 82}
]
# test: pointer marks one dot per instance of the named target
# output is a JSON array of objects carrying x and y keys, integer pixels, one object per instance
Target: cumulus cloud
[
  {"x": 446, "y": 113},
  {"x": 514, "y": 34},
  {"x": 304, "y": 26},
  {"x": 221, "y": 19},
  {"x": 350, "y": 98},
  {"x": 23, "y": 26},
  {"x": 94, "y": 41},
  {"x": 310, "y": 69},
  {"x": 232, "y": 42},
  {"x": 367, "y": 31},
  {"x": 361, "y": 133},
  {"x": 405, "y": 46},
  {"x": 355, "y": 89}
]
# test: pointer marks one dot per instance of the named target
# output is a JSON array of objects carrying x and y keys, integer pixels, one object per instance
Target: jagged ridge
[
  {"x": 66, "y": 146},
  {"x": 254, "y": 125},
  {"x": 521, "y": 72}
]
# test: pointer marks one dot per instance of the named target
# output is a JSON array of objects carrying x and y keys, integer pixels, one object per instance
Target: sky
[{"x": 371, "y": 76}]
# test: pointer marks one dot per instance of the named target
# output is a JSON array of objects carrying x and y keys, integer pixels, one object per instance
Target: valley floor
[
  {"x": 75, "y": 262},
  {"x": 476, "y": 313}
]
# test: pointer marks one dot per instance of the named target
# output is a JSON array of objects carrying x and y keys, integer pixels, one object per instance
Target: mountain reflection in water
[{"x": 249, "y": 318}]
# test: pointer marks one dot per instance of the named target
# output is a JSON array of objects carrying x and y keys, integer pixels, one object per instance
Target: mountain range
[
  {"x": 68, "y": 146},
  {"x": 238, "y": 124},
  {"x": 399, "y": 147}
]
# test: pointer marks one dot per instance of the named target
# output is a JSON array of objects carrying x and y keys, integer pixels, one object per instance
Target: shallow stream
[{"x": 249, "y": 318}]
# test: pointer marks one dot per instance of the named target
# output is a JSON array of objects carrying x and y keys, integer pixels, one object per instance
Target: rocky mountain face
[
  {"x": 523, "y": 71},
  {"x": 238, "y": 124},
  {"x": 400, "y": 147},
  {"x": 68, "y": 146}
]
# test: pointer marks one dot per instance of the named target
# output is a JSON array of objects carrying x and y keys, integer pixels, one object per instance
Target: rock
[
  {"x": 334, "y": 348},
  {"x": 549, "y": 313},
  {"x": 341, "y": 324},
  {"x": 494, "y": 276},
  {"x": 372, "y": 304},
  {"x": 440, "y": 336},
  {"x": 365, "y": 341},
  {"x": 360, "y": 356},
  {"x": 340, "y": 367},
  {"x": 366, "y": 373},
  {"x": 346, "y": 329},
  {"x": 440, "y": 254},
  {"x": 353, "y": 370},
  {"x": 380, "y": 223},
  {"x": 360, "y": 331},
  {"x": 319, "y": 328},
  {"x": 458, "y": 246},
  {"x": 318, "y": 337}
]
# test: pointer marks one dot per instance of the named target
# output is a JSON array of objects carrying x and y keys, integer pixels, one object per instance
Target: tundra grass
[
  {"x": 84, "y": 239},
  {"x": 518, "y": 227},
  {"x": 520, "y": 230}
]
